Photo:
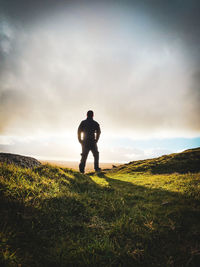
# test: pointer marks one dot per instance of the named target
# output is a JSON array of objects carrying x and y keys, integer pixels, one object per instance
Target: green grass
[{"x": 52, "y": 216}]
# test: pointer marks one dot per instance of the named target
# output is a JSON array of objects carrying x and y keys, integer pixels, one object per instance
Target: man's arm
[
  {"x": 79, "y": 132},
  {"x": 98, "y": 132}
]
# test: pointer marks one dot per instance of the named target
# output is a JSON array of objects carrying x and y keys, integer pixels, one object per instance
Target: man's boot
[{"x": 81, "y": 168}]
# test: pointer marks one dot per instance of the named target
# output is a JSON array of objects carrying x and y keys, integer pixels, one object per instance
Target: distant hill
[{"x": 186, "y": 161}]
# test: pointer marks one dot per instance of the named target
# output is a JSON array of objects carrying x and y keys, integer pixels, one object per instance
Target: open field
[
  {"x": 53, "y": 216},
  {"x": 74, "y": 164}
]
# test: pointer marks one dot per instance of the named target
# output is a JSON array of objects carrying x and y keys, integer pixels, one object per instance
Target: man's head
[{"x": 90, "y": 114}]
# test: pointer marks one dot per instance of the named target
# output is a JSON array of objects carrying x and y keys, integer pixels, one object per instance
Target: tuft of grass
[{"x": 53, "y": 216}]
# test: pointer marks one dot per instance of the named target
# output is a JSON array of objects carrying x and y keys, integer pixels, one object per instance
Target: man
[{"x": 88, "y": 135}]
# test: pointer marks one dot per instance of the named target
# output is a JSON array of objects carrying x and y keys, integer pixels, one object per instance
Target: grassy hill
[
  {"x": 186, "y": 161},
  {"x": 53, "y": 216}
]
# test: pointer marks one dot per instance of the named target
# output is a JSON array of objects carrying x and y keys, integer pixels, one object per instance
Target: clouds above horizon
[
  {"x": 112, "y": 149},
  {"x": 135, "y": 64}
]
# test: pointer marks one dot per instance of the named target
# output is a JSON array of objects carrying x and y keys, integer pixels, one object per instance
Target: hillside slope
[
  {"x": 51, "y": 216},
  {"x": 54, "y": 216},
  {"x": 186, "y": 161}
]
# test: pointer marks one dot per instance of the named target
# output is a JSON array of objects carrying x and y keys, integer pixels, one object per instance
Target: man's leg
[
  {"x": 84, "y": 156},
  {"x": 95, "y": 153}
]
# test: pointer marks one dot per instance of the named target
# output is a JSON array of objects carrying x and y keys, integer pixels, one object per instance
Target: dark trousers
[{"x": 86, "y": 148}]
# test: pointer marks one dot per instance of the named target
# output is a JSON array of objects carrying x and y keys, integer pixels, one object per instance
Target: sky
[{"x": 136, "y": 64}]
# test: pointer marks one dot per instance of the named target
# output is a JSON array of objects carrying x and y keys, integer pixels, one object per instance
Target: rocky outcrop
[{"x": 22, "y": 161}]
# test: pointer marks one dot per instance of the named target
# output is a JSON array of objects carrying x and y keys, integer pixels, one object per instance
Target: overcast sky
[{"x": 135, "y": 63}]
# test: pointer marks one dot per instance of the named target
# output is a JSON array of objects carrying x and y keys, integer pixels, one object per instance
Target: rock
[
  {"x": 22, "y": 161},
  {"x": 166, "y": 203}
]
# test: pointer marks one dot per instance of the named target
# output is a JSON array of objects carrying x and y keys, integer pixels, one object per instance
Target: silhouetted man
[{"x": 88, "y": 135}]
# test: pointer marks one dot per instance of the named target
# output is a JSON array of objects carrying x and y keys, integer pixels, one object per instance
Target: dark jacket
[{"x": 90, "y": 129}]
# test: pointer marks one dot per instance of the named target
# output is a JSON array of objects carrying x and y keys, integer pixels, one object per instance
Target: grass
[{"x": 53, "y": 216}]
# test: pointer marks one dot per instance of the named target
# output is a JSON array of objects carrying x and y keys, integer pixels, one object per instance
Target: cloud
[
  {"x": 135, "y": 64},
  {"x": 66, "y": 148}
]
